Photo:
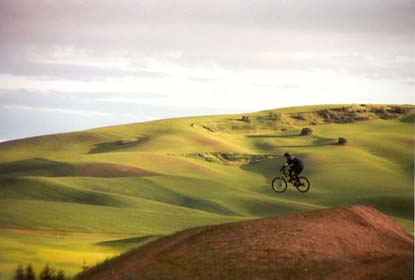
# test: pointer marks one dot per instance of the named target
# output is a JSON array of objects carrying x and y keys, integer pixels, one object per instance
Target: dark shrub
[
  {"x": 30, "y": 273},
  {"x": 342, "y": 141},
  {"x": 19, "y": 273},
  {"x": 47, "y": 273},
  {"x": 60, "y": 276},
  {"x": 298, "y": 117},
  {"x": 399, "y": 110},
  {"x": 306, "y": 131},
  {"x": 245, "y": 119}
]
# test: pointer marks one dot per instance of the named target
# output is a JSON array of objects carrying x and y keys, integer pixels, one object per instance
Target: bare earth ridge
[{"x": 356, "y": 242}]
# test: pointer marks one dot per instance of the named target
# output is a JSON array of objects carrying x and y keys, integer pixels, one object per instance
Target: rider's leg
[
  {"x": 296, "y": 173},
  {"x": 291, "y": 175}
]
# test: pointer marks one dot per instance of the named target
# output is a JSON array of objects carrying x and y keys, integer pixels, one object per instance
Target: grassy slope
[
  {"x": 46, "y": 183},
  {"x": 63, "y": 250}
]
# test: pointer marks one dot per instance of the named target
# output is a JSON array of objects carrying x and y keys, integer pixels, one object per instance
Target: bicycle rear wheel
[
  {"x": 304, "y": 184},
  {"x": 279, "y": 184}
]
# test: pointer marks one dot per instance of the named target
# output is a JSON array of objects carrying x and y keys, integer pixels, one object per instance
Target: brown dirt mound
[
  {"x": 356, "y": 242},
  {"x": 113, "y": 170}
]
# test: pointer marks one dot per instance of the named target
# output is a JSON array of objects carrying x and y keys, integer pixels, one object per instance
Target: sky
[{"x": 73, "y": 65}]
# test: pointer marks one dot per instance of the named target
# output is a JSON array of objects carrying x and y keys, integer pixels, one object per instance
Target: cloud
[
  {"x": 57, "y": 110},
  {"x": 97, "y": 39},
  {"x": 393, "y": 16},
  {"x": 157, "y": 28},
  {"x": 81, "y": 103},
  {"x": 202, "y": 79},
  {"x": 69, "y": 72}
]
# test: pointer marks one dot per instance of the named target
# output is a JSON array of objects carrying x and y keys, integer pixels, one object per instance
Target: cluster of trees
[{"x": 47, "y": 273}]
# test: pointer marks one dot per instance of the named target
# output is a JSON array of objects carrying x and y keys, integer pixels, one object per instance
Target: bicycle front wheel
[
  {"x": 279, "y": 184},
  {"x": 304, "y": 184}
]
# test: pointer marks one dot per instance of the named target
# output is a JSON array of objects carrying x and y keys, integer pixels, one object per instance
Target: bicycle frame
[{"x": 285, "y": 173}]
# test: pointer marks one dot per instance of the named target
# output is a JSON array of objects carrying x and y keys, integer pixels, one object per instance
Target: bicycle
[{"x": 280, "y": 183}]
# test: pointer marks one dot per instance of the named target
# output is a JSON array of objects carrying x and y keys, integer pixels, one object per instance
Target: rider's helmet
[{"x": 286, "y": 155}]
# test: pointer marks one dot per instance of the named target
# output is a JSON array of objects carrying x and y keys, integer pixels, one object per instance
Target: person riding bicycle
[{"x": 295, "y": 166}]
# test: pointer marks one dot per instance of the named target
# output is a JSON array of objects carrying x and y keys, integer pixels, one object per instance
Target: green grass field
[
  {"x": 155, "y": 178},
  {"x": 64, "y": 250}
]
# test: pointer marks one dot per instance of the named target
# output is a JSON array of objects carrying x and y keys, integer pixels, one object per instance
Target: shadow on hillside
[
  {"x": 317, "y": 142},
  {"x": 117, "y": 145},
  {"x": 398, "y": 206},
  {"x": 37, "y": 167},
  {"x": 49, "y": 168},
  {"x": 268, "y": 167},
  {"x": 304, "y": 146},
  {"x": 127, "y": 241},
  {"x": 274, "y": 136}
]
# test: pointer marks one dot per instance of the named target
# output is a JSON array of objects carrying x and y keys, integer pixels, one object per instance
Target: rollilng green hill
[{"x": 155, "y": 178}]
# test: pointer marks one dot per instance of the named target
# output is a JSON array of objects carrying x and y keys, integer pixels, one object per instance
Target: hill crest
[{"x": 355, "y": 242}]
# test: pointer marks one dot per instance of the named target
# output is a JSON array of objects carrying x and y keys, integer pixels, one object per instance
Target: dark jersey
[{"x": 295, "y": 161}]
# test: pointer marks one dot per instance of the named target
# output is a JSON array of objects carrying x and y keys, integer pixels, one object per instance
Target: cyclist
[{"x": 295, "y": 165}]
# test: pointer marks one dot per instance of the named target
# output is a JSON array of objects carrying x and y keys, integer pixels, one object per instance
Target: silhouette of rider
[{"x": 295, "y": 166}]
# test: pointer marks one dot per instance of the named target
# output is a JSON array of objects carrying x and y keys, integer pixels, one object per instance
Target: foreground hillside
[
  {"x": 64, "y": 196},
  {"x": 345, "y": 243}
]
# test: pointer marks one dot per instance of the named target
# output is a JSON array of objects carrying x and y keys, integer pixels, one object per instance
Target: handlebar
[{"x": 284, "y": 167}]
